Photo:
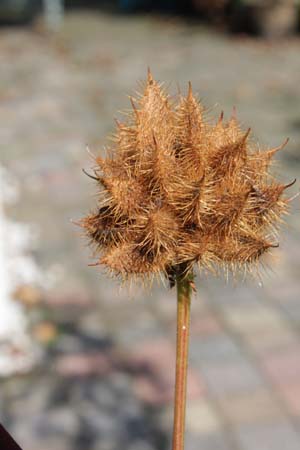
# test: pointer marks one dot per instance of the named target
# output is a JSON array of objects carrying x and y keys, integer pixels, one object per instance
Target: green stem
[{"x": 184, "y": 291}]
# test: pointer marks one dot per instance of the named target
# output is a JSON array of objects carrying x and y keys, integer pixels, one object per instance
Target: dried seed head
[{"x": 178, "y": 191}]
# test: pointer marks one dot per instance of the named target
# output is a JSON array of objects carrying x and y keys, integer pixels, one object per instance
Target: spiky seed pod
[{"x": 178, "y": 191}]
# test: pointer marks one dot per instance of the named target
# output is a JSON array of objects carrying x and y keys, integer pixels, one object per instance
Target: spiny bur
[{"x": 176, "y": 190}]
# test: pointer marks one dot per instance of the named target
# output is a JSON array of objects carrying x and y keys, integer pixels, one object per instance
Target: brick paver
[
  {"x": 275, "y": 435},
  {"x": 59, "y": 94},
  {"x": 250, "y": 407}
]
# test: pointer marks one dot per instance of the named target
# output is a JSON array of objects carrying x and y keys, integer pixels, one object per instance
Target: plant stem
[{"x": 184, "y": 291}]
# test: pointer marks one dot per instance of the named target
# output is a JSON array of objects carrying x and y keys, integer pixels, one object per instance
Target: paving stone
[
  {"x": 59, "y": 421},
  {"x": 164, "y": 305},
  {"x": 292, "y": 308},
  {"x": 290, "y": 393},
  {"x": 250, "y": 407},
  {"x": 207, "y": 441},
  {"x": 250, "y": 319},
  {"x": 139, "y": 445},
  {"x": 271, "y": 340},
  {"x": 24, "y": 436},
  {"x": 282, "y": 292},
  {"x": 50, "y": 106},
  {"x": 268, "y": 436},
  {"x": 83, "y": 364},
  {"x": 154, "y": 362},
  {"x": 230, "y": 296},
  {"x": 205, "y": 325},
  {"x": 217, "y": 348},
  {"x": 202, "y": 417},
  {"x": 283, "y": 367},
  {"x": 296, "y": 421},
  {"x": 231, "y": 377}
]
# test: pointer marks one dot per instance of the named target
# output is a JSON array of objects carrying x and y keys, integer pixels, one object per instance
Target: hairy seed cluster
[{"x": 178, "y": 191}]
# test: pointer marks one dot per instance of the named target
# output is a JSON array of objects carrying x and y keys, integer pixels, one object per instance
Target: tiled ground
[{"x": 59, "y": 93}]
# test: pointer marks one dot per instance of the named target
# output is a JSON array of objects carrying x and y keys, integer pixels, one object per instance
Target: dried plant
[{"x": 177, "y": 191}]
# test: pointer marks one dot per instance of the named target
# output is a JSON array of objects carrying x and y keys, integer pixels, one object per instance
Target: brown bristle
[
  {"x": 127, "y": 259},
  {"x": 179, "y": 191},
  {"x": 159, "y": 232}
]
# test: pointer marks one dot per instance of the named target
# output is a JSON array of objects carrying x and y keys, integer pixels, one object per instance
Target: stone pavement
[{"x": 107, "y": 381}]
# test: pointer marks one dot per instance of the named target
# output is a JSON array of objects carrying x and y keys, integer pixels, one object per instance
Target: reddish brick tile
[
  {"x": 83, "y": 364},
  {"x": 205, "y": 326},
  {"x": 283, "y": 367},
  {"x": 153, "y": 363},
  {"x": 291, "y": 395}
]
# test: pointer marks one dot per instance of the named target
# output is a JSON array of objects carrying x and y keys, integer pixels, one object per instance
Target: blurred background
[{"x": 83, "y": 363}]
